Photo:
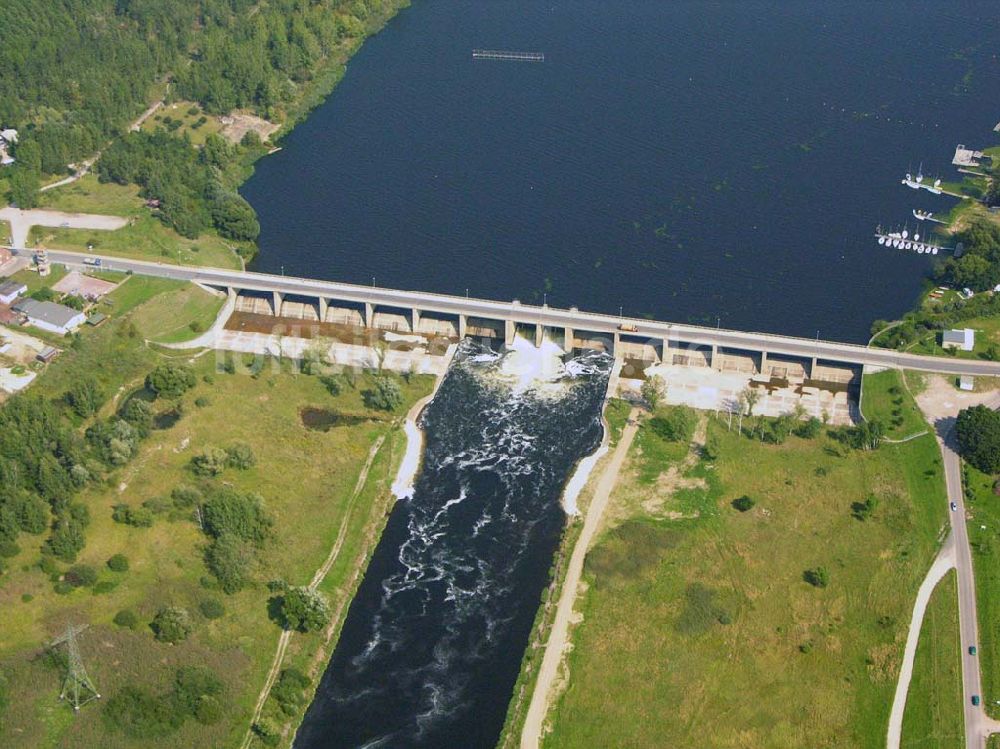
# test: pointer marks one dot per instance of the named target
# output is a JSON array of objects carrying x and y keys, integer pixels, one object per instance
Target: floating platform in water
[
  {"x": 501, "y": 54},
  {"x": 901, "y": 240}
]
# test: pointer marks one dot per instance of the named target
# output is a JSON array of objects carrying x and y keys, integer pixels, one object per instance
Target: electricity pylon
[{"x": 77, "y": 688}]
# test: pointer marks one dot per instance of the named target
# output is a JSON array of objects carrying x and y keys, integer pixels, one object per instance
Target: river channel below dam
[{"x": 432, "y": 644}]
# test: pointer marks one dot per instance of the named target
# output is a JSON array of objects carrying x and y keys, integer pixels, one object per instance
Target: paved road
[
  {"x": 944, "y": 562},
  {"x": 547, "y": 316},
  {"x": 978, "y": 725}
]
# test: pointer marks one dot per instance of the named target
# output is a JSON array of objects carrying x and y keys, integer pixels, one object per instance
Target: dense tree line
[
  {"x": 979, "y": 267},
  {"x": 76, "y": 72},
  {"x": 187, "y": 182}
]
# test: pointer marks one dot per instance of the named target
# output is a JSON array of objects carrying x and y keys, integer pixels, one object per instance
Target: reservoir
[{"x": 691, "y": 161}]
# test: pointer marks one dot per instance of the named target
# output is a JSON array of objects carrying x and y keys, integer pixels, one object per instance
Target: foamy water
[
  {"x": 402, "y": 487},
  {"x": 432, "y": 643},
  {"x": 579, "y": 480}
]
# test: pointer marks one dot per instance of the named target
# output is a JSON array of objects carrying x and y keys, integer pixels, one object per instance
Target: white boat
[{"x": 881, "y": 240}]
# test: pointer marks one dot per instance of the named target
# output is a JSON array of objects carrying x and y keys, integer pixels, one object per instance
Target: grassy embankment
[
  {"x": 616, "y": 411},
  {"x": 885, "y": 399},
  {"x": 305, "y": 477},
  {"x": 698, "y": 626},
  {"x": 178, "y": 315},
  {"x": 933, "y": 717},
  {"x": 983, "y": 506}
]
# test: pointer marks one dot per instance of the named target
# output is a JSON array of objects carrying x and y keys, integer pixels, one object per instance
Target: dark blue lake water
[{"x": 685, "y": 160}]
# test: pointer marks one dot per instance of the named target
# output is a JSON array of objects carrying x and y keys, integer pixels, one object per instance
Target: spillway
[{"x": 433, "y": 641}]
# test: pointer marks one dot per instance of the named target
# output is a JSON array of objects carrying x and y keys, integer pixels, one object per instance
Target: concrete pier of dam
[{"x": 410, "y": 329}]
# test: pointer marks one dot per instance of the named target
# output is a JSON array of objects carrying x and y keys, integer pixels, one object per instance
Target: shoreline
[{"x": 405, "y": 474}]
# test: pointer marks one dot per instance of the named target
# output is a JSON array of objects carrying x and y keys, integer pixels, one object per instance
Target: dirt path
[
  {"x": 559, "y": 635},
  {"x": 279, "y": 655},
  {"x": 944, "y": 562}
]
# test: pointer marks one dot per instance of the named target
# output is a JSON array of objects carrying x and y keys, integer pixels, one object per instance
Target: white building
[
  {"x": 964, "y": 339},
  {"x": 55, "y": 318},
  {"x": 11, "y": 290},
  {"x": 8, "y": 137}
]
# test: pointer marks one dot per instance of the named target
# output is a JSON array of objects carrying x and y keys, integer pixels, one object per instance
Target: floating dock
[
  {"x": 966, "y": 156},
  {"x": 901, "y": 240},
  {"x": 501, "y": 54}
]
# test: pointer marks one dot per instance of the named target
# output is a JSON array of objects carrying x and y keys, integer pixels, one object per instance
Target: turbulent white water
[
  {"x": 433, "y": 641},
  {"x": 579, "y": 480},
  {"x": 402, "y": 488}
]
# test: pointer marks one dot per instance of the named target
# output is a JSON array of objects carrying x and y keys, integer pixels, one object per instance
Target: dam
[{"x": 703, "y": 367}]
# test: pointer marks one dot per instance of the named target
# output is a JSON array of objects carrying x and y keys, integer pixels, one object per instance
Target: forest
[{"x": 76, "y": 72}]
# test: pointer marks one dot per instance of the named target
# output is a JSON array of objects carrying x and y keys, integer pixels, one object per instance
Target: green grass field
[
  {"x": 987, "y": 338},
  {"x": 884, "y": 398},
  {"x": 144, "y": 239},
  {"x": 305, "y": 477},
  {"x": 178, "y": 315},
  {"x": 933, "y": 716},
  {"x": 698, "y": 628},
  {"x": 87, "y": 195},
  {"x": 984, "y": 537}
]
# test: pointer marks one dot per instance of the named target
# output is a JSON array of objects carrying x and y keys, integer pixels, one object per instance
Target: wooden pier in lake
[{"x": 500, "y": 54}]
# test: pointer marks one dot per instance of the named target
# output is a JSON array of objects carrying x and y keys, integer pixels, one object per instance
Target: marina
[
  {"x": 902, "y": 240},
  {"x": 499, "y": 54},
  {"x": 926, "y": 216}
]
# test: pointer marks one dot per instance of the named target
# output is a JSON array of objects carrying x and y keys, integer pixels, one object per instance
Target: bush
[
  {"x": 232, "y": 560},
  {"x": 9, "y": 549},
  {"x": 186, "y": 496},
  {"x": 201, "y": 401},
  {"x": 267, "y": 731},
  {"x": 240, "y": 455},
  {"x": 138, "y": 517},
  {"x": 652, "y": 391},
  {"x": 66, "y": 540},
  {"x": 32, "y": 514},
  {"x": 209, "y": 462},
  {"x": 288, "y": 691},
  {"x": 118, "y": 563},
  {"x": 171, "y": 624},
  {"x": 865, "y": 510},
  {"x": 27, "y": 598},
  {"x": 212, "y": 608},
  {"x": 192, "y": 686},
  {"x": 105, "y": 586},
  {"x": 84, "y": 398},
  {"x": 139, "y": 714},
  {"x": 818, "y": 577},
  {"x": 809, "y": 429},
  {"x": 81, "y": 576},
  {"x": 139, "y": 414},
  {"x": 127, "y": 619},
  {"x": 384, "y": 395},
  {"x": 241, "y": 515},
  {"x": 170, "y": 380},
  {"x": 743, "y": 504},
  {"x": 304, "y": 609},
  {"x": 674, "y": 425}
]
